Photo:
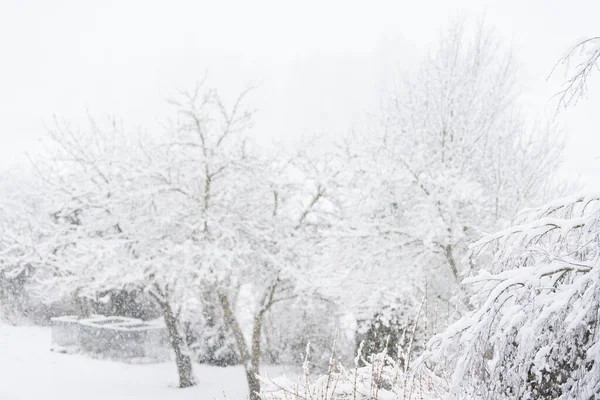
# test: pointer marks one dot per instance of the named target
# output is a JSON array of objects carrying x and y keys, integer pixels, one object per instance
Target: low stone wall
[
  {"x": 112, "y": 337},
  {"x": 65, "y": 331}
]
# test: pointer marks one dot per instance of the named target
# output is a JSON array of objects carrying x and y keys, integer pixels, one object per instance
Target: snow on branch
[
  {"x": 581, "y": 61},
  {"x": 535, "y": 322}
]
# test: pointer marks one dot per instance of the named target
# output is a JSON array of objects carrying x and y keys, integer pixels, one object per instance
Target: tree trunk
[
  {"x": 252, "y": 372},
  {"x": 253, "y": 384},
  {"x": 182, "y": 358},
  {"x": 451, "y": 261},
  {"x": 250, "y": 361}
]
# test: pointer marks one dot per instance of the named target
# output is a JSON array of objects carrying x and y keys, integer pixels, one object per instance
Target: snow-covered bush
[
  {"x": 208, "y": 336},
  {"x": 380, "y": 378},
  {"x": 132, "y": 303},
  {"x": 14, "y": 298},
  {"x": 388, "y": 329},
  {"x": 213, "y": 344},
  {"x": 292, "y": 325},
  {"x": 534, "y": 332}
]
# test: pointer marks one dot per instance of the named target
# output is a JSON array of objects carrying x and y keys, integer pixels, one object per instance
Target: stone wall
[{"x": 112, "y": 337}]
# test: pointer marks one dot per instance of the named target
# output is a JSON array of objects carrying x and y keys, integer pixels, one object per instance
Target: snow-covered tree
[
  {"x": 534, "y": 331},
  {"x": 453, "y": 160},
  {"x": 101, "y": 234},
  {"x": 193, "y": 209},
  {"x": 223, "y": 204},
  {"x": 20, "y": 212},
  {"x": 255, "y": 220},
  {"x": 466, "y": 161}
]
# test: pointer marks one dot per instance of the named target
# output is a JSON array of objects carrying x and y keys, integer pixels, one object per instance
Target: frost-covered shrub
[
  {"x": 374, "y": 376},
  {"x": 534, "y": 331},
  {"x": 127, "y": 303},
  {"x": 212, "y": 344},
  {"x": 13, "y": 296},
  {"x": 389, "y": 328},
  {"x": 290, "y": 327},
  {"x": 207, "y": 334},
  {"x": 381, "y": 378}
]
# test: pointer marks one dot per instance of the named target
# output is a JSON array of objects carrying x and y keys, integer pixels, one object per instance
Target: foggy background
[{"x": 321, "y": 67}]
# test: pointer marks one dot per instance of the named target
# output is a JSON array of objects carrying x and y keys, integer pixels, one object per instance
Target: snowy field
[{"x": 30, "y": 371}]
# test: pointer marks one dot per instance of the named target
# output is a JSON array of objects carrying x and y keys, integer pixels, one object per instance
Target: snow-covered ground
[{"x": 30, "y": 371}]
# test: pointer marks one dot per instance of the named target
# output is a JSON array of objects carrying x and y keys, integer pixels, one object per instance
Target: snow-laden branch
[{"x": 535, "y": 323}]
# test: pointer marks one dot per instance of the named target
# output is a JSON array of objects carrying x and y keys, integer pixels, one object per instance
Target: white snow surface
[{"x": 30, "y": 371}]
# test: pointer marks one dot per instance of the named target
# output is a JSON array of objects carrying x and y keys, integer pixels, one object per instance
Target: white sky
[{"x": 321, "y": 64}]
